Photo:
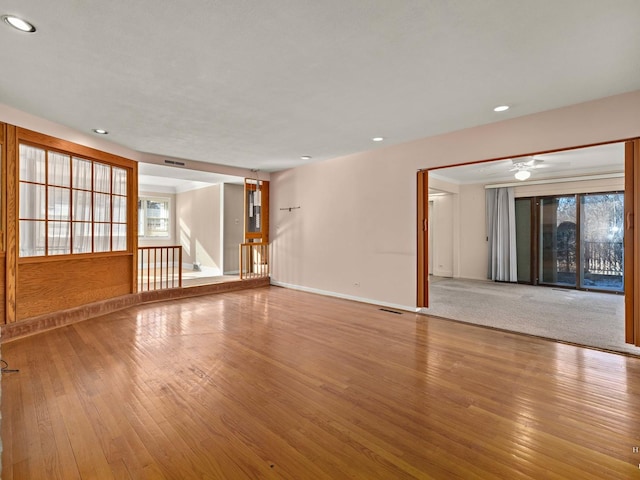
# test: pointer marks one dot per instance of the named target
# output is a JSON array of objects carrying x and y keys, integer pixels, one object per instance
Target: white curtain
[
  {"x": 82, "y": 214},
  {"x": 501, "y": 234},
  {"x": 32, "y": 201},
  {"x": 59, "y": 204},
  {"x": 101, "y": 207}
]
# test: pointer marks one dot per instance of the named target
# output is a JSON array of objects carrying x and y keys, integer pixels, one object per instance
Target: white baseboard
[
  {"x": 346, "y": 297},
  {"x": 442, "y": 273}
]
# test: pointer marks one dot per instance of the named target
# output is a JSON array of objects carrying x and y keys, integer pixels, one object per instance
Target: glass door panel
[
  {"x": 523, "y": 239},
  {"x": 602, "y": 252},
  {"x": 558, "y": 252}
]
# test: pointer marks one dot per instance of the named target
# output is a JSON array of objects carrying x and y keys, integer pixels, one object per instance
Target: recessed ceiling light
[
  {"x": 501, "y": 108},
  {"x": 19, "y": 23},
  {"x": 305, "y": 157},
  {"x": 100, "y": 131},
  {"x": 377, "y": 139}
]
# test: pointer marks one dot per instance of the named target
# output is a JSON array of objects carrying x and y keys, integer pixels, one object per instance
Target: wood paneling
[
  {"x": 50, "y": 285},
  {"x": 3, "y": 188},
  {"x": 2, "y": 288},
  {"x": 11, "y": 234},
  {"x": 38, "y": 286},
  {"x": 3, "y": 219},
  {"x": 277, "y": 383}
]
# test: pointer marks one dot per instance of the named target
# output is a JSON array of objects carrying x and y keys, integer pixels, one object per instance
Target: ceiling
[
  {"x": 159, "y": 178},
  {"x": 576, "y": 163},
  {"x": 259, "y": 84}
]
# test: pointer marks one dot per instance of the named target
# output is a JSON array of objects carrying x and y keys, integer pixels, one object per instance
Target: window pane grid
[
  {"x": 70, "y": 205},
  {"x": 153, "y": 217}
]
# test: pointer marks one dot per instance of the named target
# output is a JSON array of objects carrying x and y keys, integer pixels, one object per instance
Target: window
[
  {"x": 153, "y": 217},
  {"x": 579, "y": 240},
  {"x": 70, "y": 205}
]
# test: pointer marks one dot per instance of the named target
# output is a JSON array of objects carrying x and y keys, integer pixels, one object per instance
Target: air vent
[
  {"x": 174, "y": 162},
  {"x": 389, "y": 311}
]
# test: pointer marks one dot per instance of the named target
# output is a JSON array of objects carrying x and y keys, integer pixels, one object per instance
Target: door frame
[
  {"x": 631, "y": 240},
  {"x": 631, "y": 237}
]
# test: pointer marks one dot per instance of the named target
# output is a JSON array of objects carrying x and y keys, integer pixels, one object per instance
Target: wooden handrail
[
  {"x": 254, "y": 260},
  {"x": 159, "y": 267}
]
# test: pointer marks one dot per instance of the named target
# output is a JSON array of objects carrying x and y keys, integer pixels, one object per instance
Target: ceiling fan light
[{"x": 522, "y": 174}]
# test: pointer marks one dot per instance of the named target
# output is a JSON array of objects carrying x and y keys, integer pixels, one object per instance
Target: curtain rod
[{"x": 557, "y": 180}]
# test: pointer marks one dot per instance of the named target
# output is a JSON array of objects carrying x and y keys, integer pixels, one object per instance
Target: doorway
[{"x": 589, "y": 254}]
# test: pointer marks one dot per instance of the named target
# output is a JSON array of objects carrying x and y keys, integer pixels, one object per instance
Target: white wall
[
  {"x": 357, "y": 220},
  {"x": 233, "y": 226},
  {"x": 473, "y": 255},
  {"x": 442, "y": 221},
  {"x": 198, "y": 227}
]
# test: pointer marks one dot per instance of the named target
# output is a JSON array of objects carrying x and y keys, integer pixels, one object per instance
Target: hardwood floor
[{"x": 276, "y": 383}]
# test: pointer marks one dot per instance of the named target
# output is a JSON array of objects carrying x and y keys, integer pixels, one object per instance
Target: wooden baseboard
[{"x": 42, "y": 323}]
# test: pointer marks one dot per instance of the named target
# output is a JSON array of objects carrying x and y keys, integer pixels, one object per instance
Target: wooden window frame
[{"x": 51, "y": 144}]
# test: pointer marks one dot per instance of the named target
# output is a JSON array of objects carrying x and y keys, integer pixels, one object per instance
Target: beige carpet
[{"x": 585, "y": 318}]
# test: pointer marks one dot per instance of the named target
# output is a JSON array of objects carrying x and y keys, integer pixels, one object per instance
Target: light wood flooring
[{"x": 280, "y": 384}]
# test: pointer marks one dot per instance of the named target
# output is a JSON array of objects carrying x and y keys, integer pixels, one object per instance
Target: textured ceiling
[
  {"x": 258, "y": 84},
  {"x": 601, "y": 159}
]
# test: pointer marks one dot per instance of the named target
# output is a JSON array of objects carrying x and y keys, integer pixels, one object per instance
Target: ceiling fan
[{"x": 523, "y": 166}]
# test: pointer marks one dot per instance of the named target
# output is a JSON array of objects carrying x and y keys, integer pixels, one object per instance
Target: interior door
[
  {"x": 423, "y": 238},
  {"x": 631, "y": 240}
]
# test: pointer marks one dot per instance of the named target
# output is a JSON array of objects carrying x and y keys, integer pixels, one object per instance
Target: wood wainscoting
[
  {"x": 2, "y": 286},
  {"x": 48, "y": 286}
]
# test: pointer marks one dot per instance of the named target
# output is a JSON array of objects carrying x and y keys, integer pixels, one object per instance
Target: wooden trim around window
[
  {"x": 132, "y": 215},
  {"x": 74, "y": 149}
]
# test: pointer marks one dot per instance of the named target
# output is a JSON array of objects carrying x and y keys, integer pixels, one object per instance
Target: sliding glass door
[
  {"x": 558, "y": 246},
  {"x": 580, "y": 241},
  {"x": 524, "y": 245},
  {"x": 601, "y": 246}
]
